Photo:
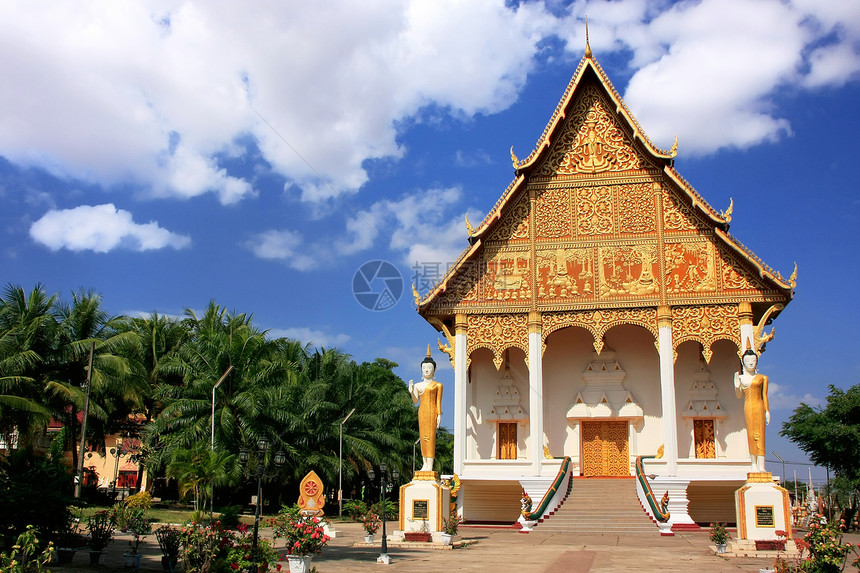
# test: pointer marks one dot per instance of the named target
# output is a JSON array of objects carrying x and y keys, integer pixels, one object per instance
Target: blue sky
[{"x": 170, "y": 153}]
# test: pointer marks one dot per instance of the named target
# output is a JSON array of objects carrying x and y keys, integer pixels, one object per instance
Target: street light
[
  {"x": 116, "y": 452},
  {"x": 383, "y": 484},
  {"x": 782, "y": 477},
  {"x": 215, "y": 387},
  {"x": 340, "y": 467},
  {"x": 280, "y": 458}
]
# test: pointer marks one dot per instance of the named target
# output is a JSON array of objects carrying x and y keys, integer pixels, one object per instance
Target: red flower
[{"x": 234, "y": 566}]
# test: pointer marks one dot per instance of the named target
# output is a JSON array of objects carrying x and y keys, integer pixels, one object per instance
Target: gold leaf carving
[
  {"x": 627, "y": 270},
  {"x": 507, "y": 277},
  {"x": 565, "y": 273},
  {"x": 591, "y": 142},
  {"x": 498, "y": 332},
  {"x": 690, "y": 267},
  {"x": 706, "y": 325},
  {"x": 514, "y": 223},
  {"x": 636, "y": 208},
  {"x": 678, "y": 216},
  {"x": 598, "y": 322},
  {"x": 594, "y": 210},
  {"x": 552, "y": 214}
]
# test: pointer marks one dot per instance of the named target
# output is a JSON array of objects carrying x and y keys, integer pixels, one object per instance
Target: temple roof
[{"x": 620, "y": 154}]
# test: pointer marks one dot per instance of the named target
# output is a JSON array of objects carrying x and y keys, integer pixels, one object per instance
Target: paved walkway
[{"x": 491, "y": 551}]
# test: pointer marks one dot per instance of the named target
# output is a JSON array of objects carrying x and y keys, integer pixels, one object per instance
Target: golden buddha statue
[
  {"x": 429, "y": 392},
  {"x": 752, "y": 388}
]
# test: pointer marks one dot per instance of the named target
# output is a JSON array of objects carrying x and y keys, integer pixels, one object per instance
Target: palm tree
[
  {"x": 115, "y": 390},
  {"x": 198, "y": 469},
  {"x": 26, "y": 331},
  {"x": 248, "y": 404},
  {"x": 157, "y": 337}
]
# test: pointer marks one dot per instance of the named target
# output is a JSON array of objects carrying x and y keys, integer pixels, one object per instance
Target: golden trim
[
  {"x": 664, "y": 316},
  {"x": 742, "y": 516},
  {"x": 745, "y": 313},
  {"x": 426, "y": 476},
  {"x": 760, "y": 477}
]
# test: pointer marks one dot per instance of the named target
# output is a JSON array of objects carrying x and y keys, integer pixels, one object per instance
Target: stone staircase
[{"x": 600, "y": 505}]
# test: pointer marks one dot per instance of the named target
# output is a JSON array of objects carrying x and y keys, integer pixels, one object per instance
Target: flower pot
[
  {"x": 420, "y": 536},
  {"x": 368, "y": 538},
  {"x": 721, "y": 548},
  {"x": 169, "y": 563},
  {"x": 445, "y": 538},
  {"x": 95, "y": 556},
  {"x": 131, "y": 560},
  {"x": 64, "y": 555},
  {"x": 300, "y": 563}
]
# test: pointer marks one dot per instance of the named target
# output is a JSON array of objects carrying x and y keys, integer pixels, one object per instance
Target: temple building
[{"x": 598, "y": 314}]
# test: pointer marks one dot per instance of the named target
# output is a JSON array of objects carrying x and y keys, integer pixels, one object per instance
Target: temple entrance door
[{"x": 605, "y": 449}]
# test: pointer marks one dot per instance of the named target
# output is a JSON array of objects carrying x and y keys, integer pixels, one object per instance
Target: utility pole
[{"x": 80, "y": 483}]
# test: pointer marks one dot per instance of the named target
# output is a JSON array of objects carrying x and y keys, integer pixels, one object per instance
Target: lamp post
[
  {"x": 116, "y": 452},
  {"x": 280, "y": 458},
  {"x": 383, "y": 484},
  {"x": 340, "y": 467},
  {"x": 782, "y": 477},
  {"x": 215, "y": 387}
]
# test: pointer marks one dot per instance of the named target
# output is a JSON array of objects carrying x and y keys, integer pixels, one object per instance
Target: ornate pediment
[{"x": 592, "y": 140}]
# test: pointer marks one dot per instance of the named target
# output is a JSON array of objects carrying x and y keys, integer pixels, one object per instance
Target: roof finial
[{"x": 587, "y": 46}]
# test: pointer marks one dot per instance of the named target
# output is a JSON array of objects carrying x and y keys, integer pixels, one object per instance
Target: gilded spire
[{"x": 587, "y": 46}]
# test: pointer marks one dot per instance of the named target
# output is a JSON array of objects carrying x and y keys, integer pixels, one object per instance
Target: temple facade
[{"x": 599, "y": 313}]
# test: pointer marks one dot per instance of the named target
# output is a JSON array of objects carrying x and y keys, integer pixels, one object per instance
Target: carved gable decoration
[
  {"x": 514, "y": 224},
  {"x": 592, "y": 140}
]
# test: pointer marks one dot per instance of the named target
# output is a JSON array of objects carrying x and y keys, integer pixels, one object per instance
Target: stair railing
[
  {"x": 659, "y": 511},
  {"x": 534, "y": 515}
]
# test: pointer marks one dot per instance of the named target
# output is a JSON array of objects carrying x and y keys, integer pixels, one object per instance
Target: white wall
[{"x": 484, "y": 380}]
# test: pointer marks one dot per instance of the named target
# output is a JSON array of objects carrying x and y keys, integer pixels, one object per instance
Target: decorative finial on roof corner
[
  {"x": 727, "y": 214},
  {"x": 514, "y": 160},
  {"x": 588, "y": 53},
  {"x": 674, "y": 150},
  {"x": 469, "y": 228},
  {"x": 792, "y": 280}
]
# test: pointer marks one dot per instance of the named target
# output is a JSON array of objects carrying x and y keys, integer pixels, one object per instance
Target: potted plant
[
  {"x": 138, "y": 525},
  {"x": 719, "y": 536},
  {"x": 370, "y": 521},
  {"x": 304, "y": 536},
  {"x": 101, "y": 534},
  {"x": 169, "y": 541},
  {"x": 450, "y": 527},
  {"x": 70, "y": 540}
]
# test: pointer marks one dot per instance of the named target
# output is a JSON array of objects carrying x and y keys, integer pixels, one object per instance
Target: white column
[
  {"x": 460, "y": 393},
  {"x": 667, "y": 390},
  {"x": 747, "y": 328},
  {"x": 535, "y": 393}
]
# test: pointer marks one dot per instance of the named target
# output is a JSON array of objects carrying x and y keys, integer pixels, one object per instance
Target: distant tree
[{"x": 830, "y": 435}]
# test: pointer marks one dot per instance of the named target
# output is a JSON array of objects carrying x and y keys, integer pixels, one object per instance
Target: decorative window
[
  {"x": 507, "y": 438},
  {"x": 703, "y": 435}
]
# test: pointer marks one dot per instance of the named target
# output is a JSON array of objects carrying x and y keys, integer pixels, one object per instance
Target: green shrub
[
  {"x": 355, "y": 509},
  {"x": 33, "y": 491},
  {"x": 230, "y": 516},
  {"x": 390, "y": 509},
  {"x": 141, "y": 500}
]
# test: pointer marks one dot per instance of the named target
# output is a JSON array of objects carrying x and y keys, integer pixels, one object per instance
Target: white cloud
[
  {"x": 154, "y": 93},
  {"x": 781, "y": 398},
  {"x": 282, "y": 245},
  {"x": 422, "y": 227},
  {"x": 310, "y": 336},
  {"x": 101, "y": 228}
]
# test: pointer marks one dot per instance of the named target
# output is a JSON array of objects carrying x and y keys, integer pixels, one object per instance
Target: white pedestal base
[
  {"x": 424, "y": 505},
  {"x": 762, "y": 508}
]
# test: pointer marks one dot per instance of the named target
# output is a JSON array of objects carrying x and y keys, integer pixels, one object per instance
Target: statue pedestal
[
  {"x": 762, "y": 508},
  {"x": 424, "y": 503}
]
